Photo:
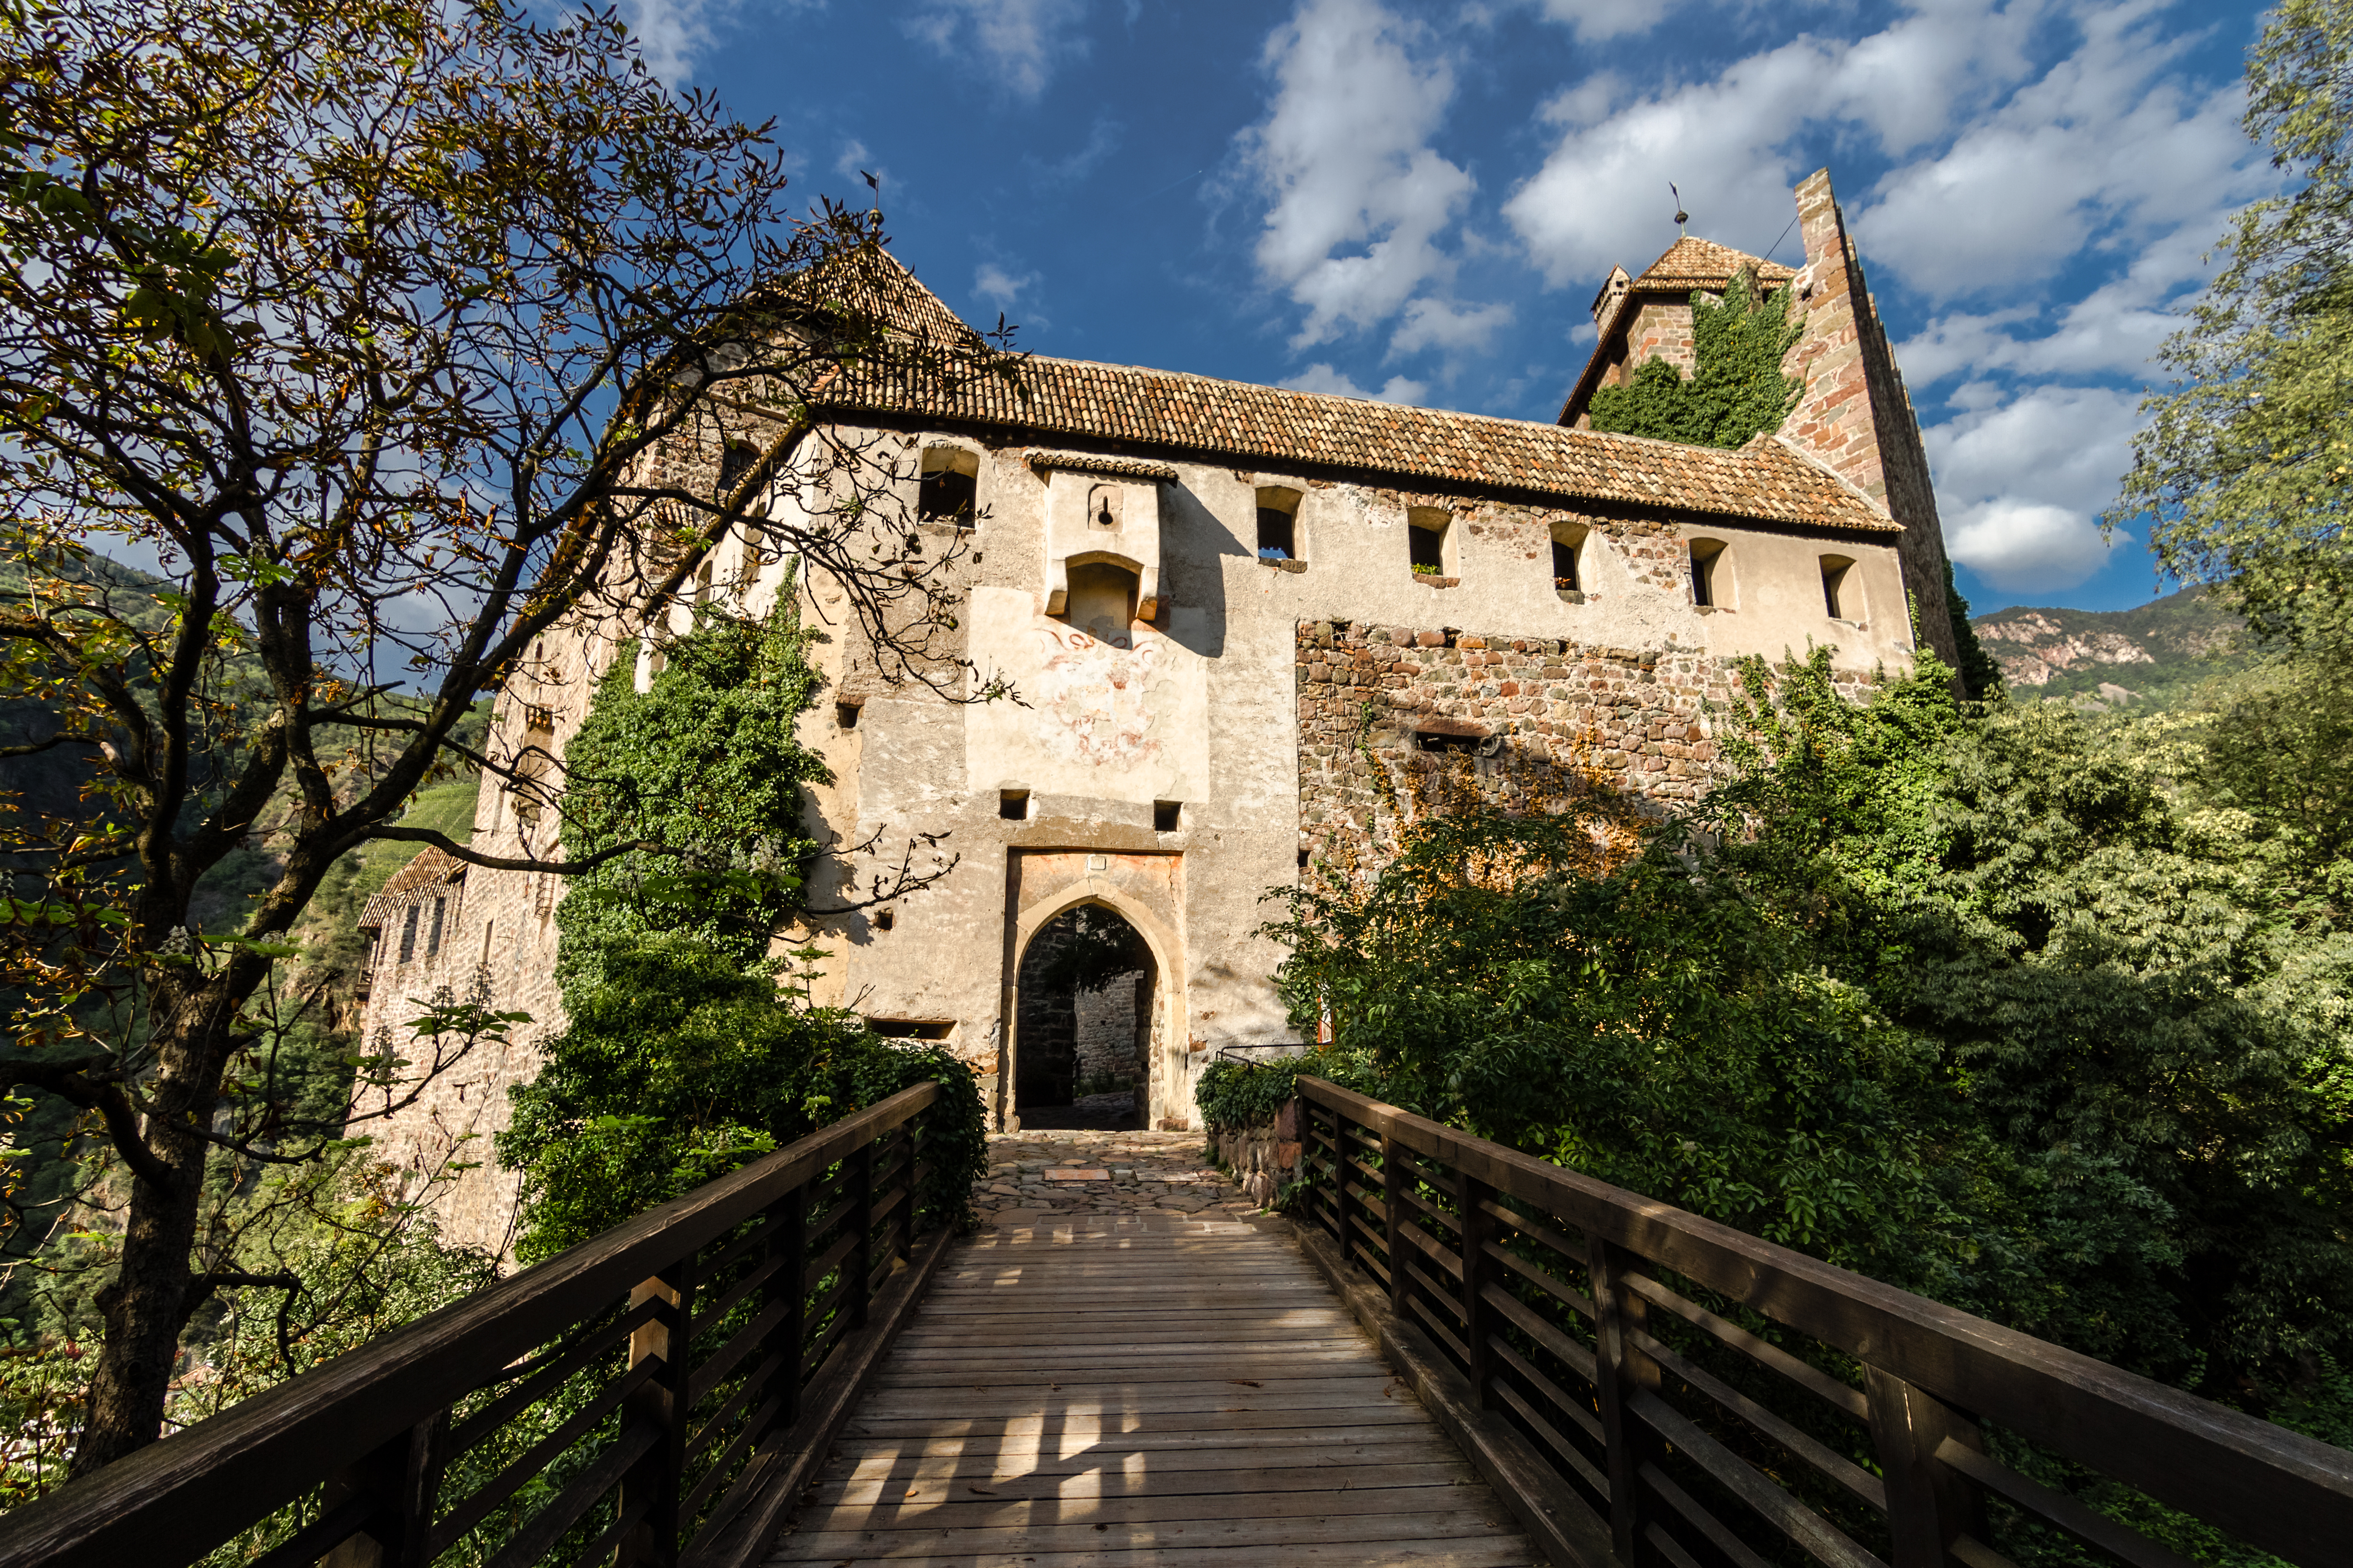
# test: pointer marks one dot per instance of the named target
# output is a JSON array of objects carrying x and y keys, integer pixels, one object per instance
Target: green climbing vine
[{"x": 1737, "y": 390}]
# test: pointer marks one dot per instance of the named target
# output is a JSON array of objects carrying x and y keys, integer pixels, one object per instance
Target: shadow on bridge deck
[{"x": 1142, "y": 1388}]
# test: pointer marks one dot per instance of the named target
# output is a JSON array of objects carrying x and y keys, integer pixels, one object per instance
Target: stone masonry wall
[
  {"x": 1538, "y": 717},
  {"x": 1855, "y": 417}
]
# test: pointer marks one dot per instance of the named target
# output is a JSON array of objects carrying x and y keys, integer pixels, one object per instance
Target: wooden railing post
[
  {"x": 788, "y": 1286},
  {"x": 1621, "y": 1372},
  {"x": 910, "y": 1144},
  {"x": 653, "y": 1482},
  {"x": 404, "y": 1479},
  {"x": 1929, "y": 1505},
  {"x": 1476, "y": 1227},
  {"x": 1343, "y": 1226},
  {"x": 861, "y": 1216},
  {"x": 1393, "y": 1199}
]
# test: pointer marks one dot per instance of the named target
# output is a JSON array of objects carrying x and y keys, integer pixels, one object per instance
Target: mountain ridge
[{"x": 2155, "y": 653}]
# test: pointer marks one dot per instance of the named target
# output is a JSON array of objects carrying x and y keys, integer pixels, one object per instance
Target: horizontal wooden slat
[
  {"x": 174, "y": 1499},
  {"x": 2276, "y": 1489}
]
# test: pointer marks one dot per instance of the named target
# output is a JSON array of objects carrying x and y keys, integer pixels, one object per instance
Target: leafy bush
[
  {"x": 678, "y": 1067},
  {"x": 1979, "y": 1003},
  {"x": 1236, "y": 1095}
]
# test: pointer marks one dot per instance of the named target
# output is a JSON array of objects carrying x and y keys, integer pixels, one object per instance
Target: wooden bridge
[{"x": 1460, "y": 1355}]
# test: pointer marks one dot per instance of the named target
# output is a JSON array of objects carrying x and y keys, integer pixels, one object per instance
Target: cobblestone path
[{"x": 1037, "y": 1174}]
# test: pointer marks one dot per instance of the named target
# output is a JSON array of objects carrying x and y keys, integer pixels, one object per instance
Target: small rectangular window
[
  {"x": 1836, "y": 600},
  {"x": 1567, "y": 544},
  {"x": 1437, "y": 741},
  {"x": 912, "y": 1028},
  {"x": 1165, "y": 815},
  {"x": 1278, "y": 523},
  {"x": 1709, "y": 583},
  {"x": 884, "y": 919},
  {"x": 1013, "y": 805},
  {"x": 1275, "y": 534},
  {"x": 1425, "y": 535},
  {"x": 736, "y": 460},
  {"x": 845, "y": 714}
]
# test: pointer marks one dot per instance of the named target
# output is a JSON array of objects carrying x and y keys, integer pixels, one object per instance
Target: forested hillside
[{"x": 2153, "y": 656}]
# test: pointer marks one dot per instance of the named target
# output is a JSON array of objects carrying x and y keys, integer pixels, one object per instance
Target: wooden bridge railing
[
  {"x": 1652, "y": 1388},
  {"x": 656, "y": 1395}
]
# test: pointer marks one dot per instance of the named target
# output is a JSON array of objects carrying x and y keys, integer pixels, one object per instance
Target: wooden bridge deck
[{"x": 1142, "y": 1390}]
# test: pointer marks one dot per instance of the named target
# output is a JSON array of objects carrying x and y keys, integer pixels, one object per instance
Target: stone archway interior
[{"x": 1084, "y": 1030}]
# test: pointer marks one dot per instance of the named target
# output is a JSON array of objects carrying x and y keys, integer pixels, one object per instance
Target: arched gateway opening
[{"x": 1083, "y": 1026}]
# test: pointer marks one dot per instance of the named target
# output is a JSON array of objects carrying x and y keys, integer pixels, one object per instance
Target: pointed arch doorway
[{"x": 1086, "y": 1014}]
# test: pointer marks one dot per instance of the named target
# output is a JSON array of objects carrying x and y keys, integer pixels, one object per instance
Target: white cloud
[
  {"x": 1020, "y": 43},
  {"x": 1456, "y": 329},
  {"x": 2026, "y": 547},
  {"x": 1322, "y": 377},
  {"x": 2018, "y": 168},
  {"x": 2064, "y": 444},
  {"x": 1596, "y": 20},
  {"x": 999, "y": 287},
  {"x": 2020, "y": 477},
  {"x": 856, "y": 162},
  {"x": 1358, "y": 196},
  {"x": 672, "y": 33}
]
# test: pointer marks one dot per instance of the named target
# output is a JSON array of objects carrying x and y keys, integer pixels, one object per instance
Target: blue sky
[{"x": 1419, "y": 202}]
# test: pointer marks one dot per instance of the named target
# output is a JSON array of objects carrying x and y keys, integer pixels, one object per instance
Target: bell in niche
[{"x": 1102, "y": 506}]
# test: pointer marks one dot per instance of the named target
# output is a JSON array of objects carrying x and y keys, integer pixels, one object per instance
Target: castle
[{"x": 1218, "y": 601}]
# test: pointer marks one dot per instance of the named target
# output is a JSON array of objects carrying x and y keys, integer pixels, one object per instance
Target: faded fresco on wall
[{"x": 1118, "y": 716}]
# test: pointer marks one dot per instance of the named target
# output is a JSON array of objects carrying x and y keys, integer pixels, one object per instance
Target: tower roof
[{"x": 1690, "y": 264}]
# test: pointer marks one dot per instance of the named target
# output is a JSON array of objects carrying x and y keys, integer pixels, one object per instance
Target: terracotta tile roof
[
  {"x": 1173, "y": 411},
  {"x": 1690, "y": 264},
  {"x": 431, "y": 868},
  {"x": 1090, "y": 463}
]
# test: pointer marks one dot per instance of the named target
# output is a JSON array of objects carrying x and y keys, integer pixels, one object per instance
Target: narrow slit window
[
  {"x": 433, "y": 936},
  {"x": 408, "y": 934},
  {"x": 912, "y": 1028}
]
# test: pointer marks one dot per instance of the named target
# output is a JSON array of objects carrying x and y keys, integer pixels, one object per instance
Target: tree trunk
[{"x": 146, "y": 1305}]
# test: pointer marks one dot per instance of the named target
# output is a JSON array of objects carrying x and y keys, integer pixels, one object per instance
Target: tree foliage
[
  {"x": 2245, "y": 469},
  {"x": 361, "y": 321},
  {"x": 1736, "y": 389},
  {"x": 681, "y": 1058},
  {"x": 678, "y": 1067},
  {"x": 705, "y": 763},
  {"x": 1980, "y": 1003}
]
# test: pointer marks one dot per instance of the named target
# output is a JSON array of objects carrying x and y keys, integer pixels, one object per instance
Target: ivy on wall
[
  {"x": 1737, "y": 390},
  {"x": 682, "y": 1057}
]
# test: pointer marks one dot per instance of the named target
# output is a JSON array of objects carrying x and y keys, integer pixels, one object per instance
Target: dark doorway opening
[{"x": 1083, "y": 1027}]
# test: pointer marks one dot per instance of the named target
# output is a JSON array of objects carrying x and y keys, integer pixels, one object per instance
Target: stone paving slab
[{"x": 1044, "y": 1173}]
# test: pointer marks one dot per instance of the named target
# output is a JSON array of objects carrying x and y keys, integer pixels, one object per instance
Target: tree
[
  {"x": 362, "y": 323},
  {"x": 2245, "y": 470}
]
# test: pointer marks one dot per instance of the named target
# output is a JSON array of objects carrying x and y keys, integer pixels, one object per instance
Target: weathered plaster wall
[{"x": 1220, "y": 706}]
